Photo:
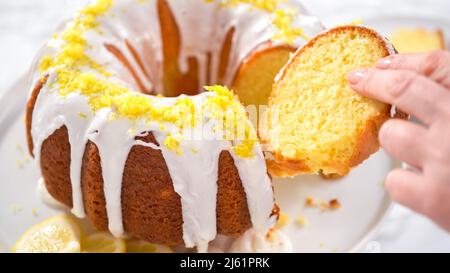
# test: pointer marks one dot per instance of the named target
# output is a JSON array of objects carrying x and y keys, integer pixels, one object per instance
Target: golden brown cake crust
[
  {"x": 150, "y": 206},
  {"x": 363, "y": 30},
  {"x": 55, "y": 166},
  {"x": 281, "y": 166},
  {"x": 366, "y": 145},
  {"x": 91, "y": 183},
  {"x": 151, "y": 209},
  {"x": 368, "y": 139},
  {"x": 265, "y": 48},
  {"x": 225, "y": 54},
  {"x": 233, "y": 216}
]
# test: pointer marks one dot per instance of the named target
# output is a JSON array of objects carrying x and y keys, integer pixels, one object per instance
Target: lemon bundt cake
[
  {"x": 315, "y": 123},
  {"x": 408, "y": 40},
  {"x": 116, "y": 144}
]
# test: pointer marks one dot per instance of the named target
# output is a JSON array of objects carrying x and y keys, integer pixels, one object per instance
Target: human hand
[{"x": 418, "y": 84}]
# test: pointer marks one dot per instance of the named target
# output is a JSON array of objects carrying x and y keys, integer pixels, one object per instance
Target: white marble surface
[{"x": 26, "y": 24}]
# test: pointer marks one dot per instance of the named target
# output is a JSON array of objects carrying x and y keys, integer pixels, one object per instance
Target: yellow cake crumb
[
  {"x": 302, "y": 221},
  {"x": 310, "y": 201},
  {"x": 314, "y": 117},
  {"x": 332, "y": 204},
  {"x": 282, "y": 221}
]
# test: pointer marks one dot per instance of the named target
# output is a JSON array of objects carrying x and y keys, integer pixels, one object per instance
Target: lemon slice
[
  {"x": 57, "y": 234},
  {"x": 102, "y": 242},
  {"x": 139, "y": 246}
]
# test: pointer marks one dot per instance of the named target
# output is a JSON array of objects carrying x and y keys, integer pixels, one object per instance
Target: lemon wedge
[
  {"x": 139, "y": 246},
  {"x": 59, "y": 234},
  {"x": 102, "y": 242}
]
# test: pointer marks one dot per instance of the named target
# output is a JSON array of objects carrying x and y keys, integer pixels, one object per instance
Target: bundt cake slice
[
  {"x": 315, "y": 123},
  {"x": 418, "y": 40}
]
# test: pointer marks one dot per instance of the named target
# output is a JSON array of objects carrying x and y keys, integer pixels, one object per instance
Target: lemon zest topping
[
  {"x": 72, "y": 53},
  {"x": 283, "y": 220},
  {"x": 283, "y": 20}
]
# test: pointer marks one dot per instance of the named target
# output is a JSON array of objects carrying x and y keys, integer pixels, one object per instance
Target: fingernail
[
  {"x": 384, "y": 63},
  {"x": 355, "y": 76}
]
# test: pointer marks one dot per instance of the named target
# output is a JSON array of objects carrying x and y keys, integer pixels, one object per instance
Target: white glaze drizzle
[
  {"x": 114, "y": 142},
  {"x": 195, "y": 173}
]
